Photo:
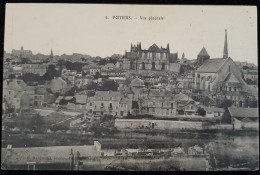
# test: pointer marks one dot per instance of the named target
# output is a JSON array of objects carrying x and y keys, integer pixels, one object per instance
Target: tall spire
[
  {"x": 51, "y": 54},
  {"x": 225, "y": 52}
]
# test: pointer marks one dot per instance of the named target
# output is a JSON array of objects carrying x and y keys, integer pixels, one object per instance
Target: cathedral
[{"x": 152, "y": 59}]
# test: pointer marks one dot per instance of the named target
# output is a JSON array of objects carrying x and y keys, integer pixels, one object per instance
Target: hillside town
[{"x": 162, "y": 106}]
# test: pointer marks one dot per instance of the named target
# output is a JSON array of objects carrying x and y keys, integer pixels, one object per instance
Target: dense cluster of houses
[{"x": 194, "y": 88}]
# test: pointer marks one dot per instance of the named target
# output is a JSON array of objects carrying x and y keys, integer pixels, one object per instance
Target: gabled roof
[
  {"x": 213, "y": 109},
  {"x": 232, "y": 79},
  {"x": 243, "y": 112},
  {"x": 203, "y": 52},
  {"x": 154, "y": 48},
  {"x": 105, "y": 95},
  {"x": 211, "y": 65}
]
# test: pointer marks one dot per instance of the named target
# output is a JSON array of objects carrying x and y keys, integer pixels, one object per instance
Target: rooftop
[
  {"x": 243, "y": 112},
  {"x": 137, "y": 82},
  {"x": 211, "y": 65},
  {"x": 203, "y": 52}
]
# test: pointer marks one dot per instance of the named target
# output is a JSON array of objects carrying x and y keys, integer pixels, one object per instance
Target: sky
[{"x": 83, "y": 28}]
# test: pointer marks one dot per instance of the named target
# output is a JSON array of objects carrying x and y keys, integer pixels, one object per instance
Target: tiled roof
[
  {"x": 243, "y": 112},
  {"x": 211, "y": 65},
  {"x": 203, "y": 52},
  {"x": 182, "y": 97},
  {"x": 105, "y": 95},
  {"x": 213, "y": 109}
]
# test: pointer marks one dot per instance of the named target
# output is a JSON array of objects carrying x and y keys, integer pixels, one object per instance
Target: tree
[
  {"x": 30, "y": 78},
  {"x": 8, "y": 60},
  {"x": 92, "y": 86},
  {"x": 226, "y": 103},
  {"x": 25, "y": 61},
  {"x": 109, "y": 85},
  {"x": 102, "y": 62},
  {"x": 11, "y": 76},
  {"x": 201, "y": 111},
  {"x": 245, "y": 67},
  {"x": 51, "y": 73},
  {"x": 97, "y": 75},
  {"x": 226, "y": 117}
]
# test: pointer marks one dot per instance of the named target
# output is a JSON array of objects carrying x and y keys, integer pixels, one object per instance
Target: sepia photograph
[{"x": 116, "y": 87}]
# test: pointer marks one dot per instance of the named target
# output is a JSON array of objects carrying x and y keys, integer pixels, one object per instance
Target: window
[
  {"x": 235, "y": 89},
  {"x": 153, "y": 103},
  {"x": 102, "y": 98},
  {"x": 90, "y": 104},
  {"x": 198, "y": 75},
  {"x": 229, "y": 68},
  {"x": 90, "y": 111},
  {"x": 111, "y": 98},
  {"x": 110, "y": 105},
  {"x": 191, "y": 107},
  {"x": 229, "y": 88},
  {"x": 102, "y": 104},
  {"x": 153, "y": 109},
  {"x": 171, "y": 105},
  {"x": 9, "y": 92}
]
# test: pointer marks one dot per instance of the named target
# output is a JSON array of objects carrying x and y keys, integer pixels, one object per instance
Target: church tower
[
  {"x": 183, "y": 56},
  {"x": 202, "y": 56},
  {"x": 225, "y": 52}
]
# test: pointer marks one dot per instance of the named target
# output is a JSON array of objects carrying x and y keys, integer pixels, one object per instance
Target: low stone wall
[{"x": 166, "y": 124}]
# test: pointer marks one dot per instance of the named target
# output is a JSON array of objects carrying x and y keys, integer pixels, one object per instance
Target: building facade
[{"x": 152, "y": 59}]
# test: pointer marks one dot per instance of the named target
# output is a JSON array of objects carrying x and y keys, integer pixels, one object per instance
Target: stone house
[{"x": 109, "y": 103}]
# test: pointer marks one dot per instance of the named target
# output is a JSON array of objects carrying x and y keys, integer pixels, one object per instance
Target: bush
[{"x": 201, "y": 111}]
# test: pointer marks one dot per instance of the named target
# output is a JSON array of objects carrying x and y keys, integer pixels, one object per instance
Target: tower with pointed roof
[
  {"x": 202, "y": 56},
  {"x": 225, "y": 52},
  {"x": 51, "y": 54},
  {"x": 183, "y": 56}
]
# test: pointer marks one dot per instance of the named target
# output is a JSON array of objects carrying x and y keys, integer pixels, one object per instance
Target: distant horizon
[
  {"x": 179, "y": 57},
  {"x": 83, "y": 29}
]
